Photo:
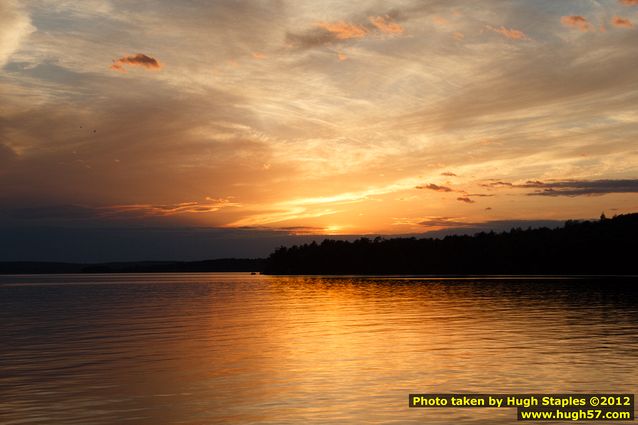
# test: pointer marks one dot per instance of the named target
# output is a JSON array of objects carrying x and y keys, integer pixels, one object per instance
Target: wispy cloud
[
  {"x": 15, "y": 26},
  {"x": 211, "y": 205},
  {"x": 629, "y": 2},
  {"x": 265, "y": 218},
  {"x": 326, "y": 33},
  {"x": 343, "y": 30},
  {"x": 75, "y": 212},
  {"x": 138, "y": 59},
  {"x": 511, "y": 33},
  {"x": 439, "y": 20},
  {"x": 576, "y": 21},
  {"x": 385, "y": 25}
]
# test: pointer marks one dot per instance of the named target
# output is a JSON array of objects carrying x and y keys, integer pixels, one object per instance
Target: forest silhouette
[{"x": 605, "y": 246}]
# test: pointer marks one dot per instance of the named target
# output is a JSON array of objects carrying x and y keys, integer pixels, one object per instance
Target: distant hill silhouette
[
  {"x": 220, "y": 265},
  {"x": 605, "y": 246}
]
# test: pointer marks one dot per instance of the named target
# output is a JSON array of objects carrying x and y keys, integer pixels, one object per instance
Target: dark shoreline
[{"x": 218, "y": 265}]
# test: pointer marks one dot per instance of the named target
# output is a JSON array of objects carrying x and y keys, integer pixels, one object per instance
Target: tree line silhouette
[{"x": 606, "y": 246}]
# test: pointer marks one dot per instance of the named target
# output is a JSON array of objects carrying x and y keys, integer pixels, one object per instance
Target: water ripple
[{"x": 235, "y": 348}]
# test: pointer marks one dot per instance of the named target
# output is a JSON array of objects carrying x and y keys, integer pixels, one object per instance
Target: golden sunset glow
[{"x": 317, "y": 118}]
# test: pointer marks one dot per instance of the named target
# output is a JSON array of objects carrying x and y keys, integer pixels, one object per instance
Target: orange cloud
[
  {"x": 576, "y": 21},
  {"x": 342, "y": 56},
  {"x": 258, "y": 55},
  {"x": 344, "y": 30},
  {"x": 458, "y": 36},
  {"x": 510, "y": 33},
  {"x": 385, "y": 25},
  {"x": 138, "y": 59},
  {"x": 617, "y": 21},
  {"x": 629, "y": 2}
]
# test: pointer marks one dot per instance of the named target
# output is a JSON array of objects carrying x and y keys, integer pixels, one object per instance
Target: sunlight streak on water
[{"x": 234, "y": 348}]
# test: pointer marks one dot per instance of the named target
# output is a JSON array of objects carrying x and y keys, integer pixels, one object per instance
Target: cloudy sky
[{"x": 311, "y": 118}]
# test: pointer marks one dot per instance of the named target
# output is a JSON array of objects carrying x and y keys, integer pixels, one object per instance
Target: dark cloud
[
  {"x": 465, "y": 199},
  {"x": 312, "y": 38},
  {"x": 435, "y": 188},
  {"x": 290, "y": 230},
  {"x": 583, "y": 188},
  {"x": 571, "y": 187},
  {"x": 497, "y": 184},
  {"x": 463, "y": 228},
  {"x": 138, "y": 59},
  {"x": 448, "y": 174},
  {"x": 444, "y": 222},
  {"x": 454, "y": 225}
]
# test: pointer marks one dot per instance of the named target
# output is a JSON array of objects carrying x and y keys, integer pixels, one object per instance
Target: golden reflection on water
[{"x": 234, "y": 348}]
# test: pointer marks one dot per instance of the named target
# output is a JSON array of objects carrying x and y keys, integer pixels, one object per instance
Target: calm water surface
[{"x": 240, "y": 349}]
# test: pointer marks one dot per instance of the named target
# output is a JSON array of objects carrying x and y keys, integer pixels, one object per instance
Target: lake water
[{"x": 241, "y": 349}]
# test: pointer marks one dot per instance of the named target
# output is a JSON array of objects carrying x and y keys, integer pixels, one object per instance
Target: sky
[{"x": 237, "y": 126}]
